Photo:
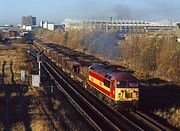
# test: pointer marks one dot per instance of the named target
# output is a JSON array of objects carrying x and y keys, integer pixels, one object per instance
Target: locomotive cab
[
  {"x": 121, "y": 87},
  {"x": 126, "y": 87}
]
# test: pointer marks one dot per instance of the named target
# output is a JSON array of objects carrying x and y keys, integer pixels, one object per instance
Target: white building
[
  {"x": 178, "y": 40},
  {"x": 27, "y": 27},
  {"x": 47, "y": 25},
  {"x": 118, "y": 25},
  {"x": 44, "y": 24},
  {"x": 177, "y": 31},
  {"x": 51, "y": 26}
]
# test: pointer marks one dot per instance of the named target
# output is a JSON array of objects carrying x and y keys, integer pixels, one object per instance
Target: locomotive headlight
[
  {"x": 119, "y": 95},
  {"x": 135, "y": 94}
]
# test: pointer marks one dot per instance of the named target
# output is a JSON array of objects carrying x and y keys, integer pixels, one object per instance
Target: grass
[
  {"x": 2, "y": 94},
  {"x": 40, "y": 125},
  {"x": 20, "y": 62},
  {"x": 175, "y": 117},
  {"x": 18, "y": 57},
  {"x": 1, "y": 126},
  {"x": 172, "y": 115},
  {"x": 19, "y": 126},
  {"x": 14, "y": 94}
]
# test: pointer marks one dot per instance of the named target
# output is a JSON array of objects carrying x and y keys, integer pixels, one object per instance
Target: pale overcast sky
[{"x": 11, "y": 11}]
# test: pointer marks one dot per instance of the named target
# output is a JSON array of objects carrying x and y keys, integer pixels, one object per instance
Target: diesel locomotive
[
  {"x": 117, "y": 88},
  {"x": 121, "y": 88}
]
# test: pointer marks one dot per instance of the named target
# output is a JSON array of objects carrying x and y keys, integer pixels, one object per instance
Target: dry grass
[
  {"x": 34, "y": 116},
  {"x": 41, "y": 117},
  {"x": 1, "y": 126},
  {"x": 19, "y": 126},
  {"x": 16, "y": 55},
  {"x": 56, "y": 104},
  {"x": 172, "y": 115},
  {"x": 40, "y": 125},
  {"x": 14, "y": 94},
  {"x": 175, "y": 117},
  {"x": 2, "y": 94}
]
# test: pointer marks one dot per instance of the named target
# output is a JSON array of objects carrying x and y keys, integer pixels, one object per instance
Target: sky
[{"x": 56, "y": 11}]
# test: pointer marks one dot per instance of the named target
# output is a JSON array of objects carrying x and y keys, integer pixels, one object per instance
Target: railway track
[
  {"x": 114, "y": 117},
  {"x": 144, "y": 121},
  {"x": 95, "y": 111},
  {"x": 149, "y": 121},
  {"x": 91, "y": 114},
  {"x": 141, "y": 119},
  {"x": 98, "y": 116},
  {"x": 94, "y": 117}
]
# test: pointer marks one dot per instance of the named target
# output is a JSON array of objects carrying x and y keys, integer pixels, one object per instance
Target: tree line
[
  {"x": 155, "y": 54},
  {"x": 149, "y": 54}
]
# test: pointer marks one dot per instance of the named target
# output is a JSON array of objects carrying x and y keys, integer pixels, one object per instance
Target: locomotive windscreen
[{"x": 126, "y": 83}]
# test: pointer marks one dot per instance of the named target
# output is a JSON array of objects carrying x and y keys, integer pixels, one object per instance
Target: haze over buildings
[{"x": 58, "y": 10}]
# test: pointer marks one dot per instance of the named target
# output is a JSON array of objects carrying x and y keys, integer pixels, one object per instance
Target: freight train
[{"x": 114, "y": 86}]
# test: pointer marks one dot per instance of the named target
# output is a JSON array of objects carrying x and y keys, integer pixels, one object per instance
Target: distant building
[
  {"x": 50, "y": 25},
  {"x": 44, "y": 24},
  {"x": 27, "y": 27},
  {"x": 6, "y": 27},
  {"x": 177, "y": 31},
  {"x": 118, "y": 25},
  {"x": 29, "y": 20},
  {"x": 13, "y": 33},
  {"x": 59, "y": 27},
  {"x": 47, "y": 25}
]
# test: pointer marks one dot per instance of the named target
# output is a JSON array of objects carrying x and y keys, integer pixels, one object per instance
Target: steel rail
[
  {"x": 152, "y": 125},
  {"x": 74, "y": 101}
]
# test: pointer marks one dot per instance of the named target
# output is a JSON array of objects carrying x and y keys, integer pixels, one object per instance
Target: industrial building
[
  {"x": 13, "y": 33},
  {"x": 27, "y": 27},
  {"x": 177, "y": 31},
  {"x": 118, "y": 25},
  {"x": 6, "y": 27},
  {"x": 47, "y": 25},
  {"x": 28, "y": 22}
]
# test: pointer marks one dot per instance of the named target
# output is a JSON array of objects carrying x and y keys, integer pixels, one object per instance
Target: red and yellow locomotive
[{"x": 121, "y": 87}]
